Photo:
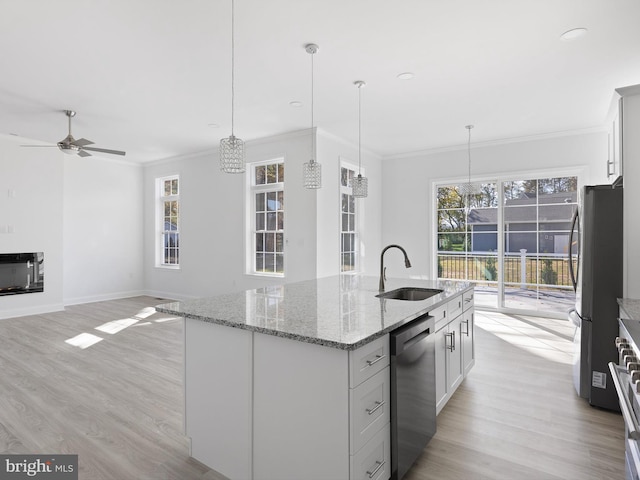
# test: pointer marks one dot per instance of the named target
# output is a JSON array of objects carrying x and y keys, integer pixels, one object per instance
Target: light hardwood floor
[{"x": 118, "y": 403}]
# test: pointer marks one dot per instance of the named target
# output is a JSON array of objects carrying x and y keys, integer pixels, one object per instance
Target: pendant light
[
  {"x": 232, "y": 148},
  {"x": 312, "y": 170},
  {"x": 469, "y": 188},
  {"x": 360, "y": 184}
]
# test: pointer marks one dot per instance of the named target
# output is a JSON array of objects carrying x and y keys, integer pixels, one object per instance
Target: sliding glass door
[{"x": 511, "y": 238}]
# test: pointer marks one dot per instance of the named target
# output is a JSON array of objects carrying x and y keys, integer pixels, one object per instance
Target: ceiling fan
[{"x": 71, "y": 146}]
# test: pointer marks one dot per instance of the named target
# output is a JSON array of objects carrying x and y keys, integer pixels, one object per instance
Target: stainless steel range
[{"x": 626, "y": 378}]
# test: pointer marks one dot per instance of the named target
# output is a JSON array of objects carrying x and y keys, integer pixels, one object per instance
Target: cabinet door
[
  {"x": 441, "y": 368},
  {"x": 468, "y": 341},
  {"x": 454, "y": 356}
]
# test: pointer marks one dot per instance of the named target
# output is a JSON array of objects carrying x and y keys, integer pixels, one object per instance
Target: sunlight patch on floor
[
  {"x": 544, "y": 337},
  {"x": 115, "y": 326},
  {"x": 84, "y": 340}
]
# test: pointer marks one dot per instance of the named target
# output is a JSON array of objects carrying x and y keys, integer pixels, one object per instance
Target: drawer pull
[
  {"x": 379, "y": 465},
  {"x": 371, "y": 411},
  {"x": 373, "y": 362},
  {"x": 468, "y": 299}
]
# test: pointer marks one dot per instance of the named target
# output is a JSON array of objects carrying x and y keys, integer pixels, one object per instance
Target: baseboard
[
  {"x": 24, "y": 311},
  {"x": 103, "y": 297}
]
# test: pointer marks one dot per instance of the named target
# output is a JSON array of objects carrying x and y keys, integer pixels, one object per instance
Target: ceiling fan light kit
[{"x": 71, "y": 146}]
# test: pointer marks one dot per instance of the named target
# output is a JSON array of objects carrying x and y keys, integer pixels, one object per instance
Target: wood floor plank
[{"x": 118, "y": 403}]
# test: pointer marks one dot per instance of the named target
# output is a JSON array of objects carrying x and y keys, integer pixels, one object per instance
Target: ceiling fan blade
[
  {"x": 82, "y": 142},
  {"x": 104, "y": 150},
  {"x": 82, "y": 153}
]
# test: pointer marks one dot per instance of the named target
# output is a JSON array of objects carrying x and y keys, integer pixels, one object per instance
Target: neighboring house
[{"x": 529, "y": 222}]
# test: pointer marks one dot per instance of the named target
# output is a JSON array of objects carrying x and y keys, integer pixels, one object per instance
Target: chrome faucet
[{"x": 383, "y": 269}]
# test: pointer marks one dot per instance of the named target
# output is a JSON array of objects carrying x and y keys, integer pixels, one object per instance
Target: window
[
  {"x": 168, "y": 248},
  {"x": 512, "y": 239},
  {"x": 348, "y": 223},
  {"x": 267, "y": 193}
]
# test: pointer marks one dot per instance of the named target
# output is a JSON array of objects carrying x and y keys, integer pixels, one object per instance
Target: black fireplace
[{"x": 21, "y": 273}]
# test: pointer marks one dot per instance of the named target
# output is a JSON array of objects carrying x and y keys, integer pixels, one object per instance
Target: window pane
[
  {"x": 279, "y": 263},
  {"x": 260, "y": 221},
  {"x": 345, "y": 222},
  {"x": 281, "y": 200},
  {"x": 522, "y": 192},
  {"x": 344, "y": 179},
  {"x": 451, "y": 221},
  {"x": 452, "y": 242},
  {"x": 260, "y": 202},
  {"x": 521, "y": 216},
  {"x": 271, "y": 221},
  {"x": 281, "y": 172},
  {"x": 174, "y": 186},
  {"x": 270, "y": 242},
  {"x": 514, "y": 242},
  {"x": 280, "y": 220},
  {"x": 260, "y": 175},
  {"x": 272, "y": 173},
  {"x": 259, "y": 262},
  {"x": 556, "y": 213},
  {"x": 272, "y": 203},
  {"x": 279, "y": 242},
  {"x": 259, "y": 242}
]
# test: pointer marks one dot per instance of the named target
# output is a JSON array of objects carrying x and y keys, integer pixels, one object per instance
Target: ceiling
[{"x": 151, "y": 77}]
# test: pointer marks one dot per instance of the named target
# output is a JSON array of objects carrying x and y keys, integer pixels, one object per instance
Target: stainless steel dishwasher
[{"x": 413, "y": 392}]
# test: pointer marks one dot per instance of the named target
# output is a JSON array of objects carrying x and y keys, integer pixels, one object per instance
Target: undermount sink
[{"x": 410, "y": 293}]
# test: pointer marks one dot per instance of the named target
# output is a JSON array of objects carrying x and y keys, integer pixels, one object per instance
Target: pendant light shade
[
  {"x": 469, "y": 188},
  {"x": 359, "y": 184},
  {"x": 232, "y": 148},
  {"x": 312, "y": 170}
]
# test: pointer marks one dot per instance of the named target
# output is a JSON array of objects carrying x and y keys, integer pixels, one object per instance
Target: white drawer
[
  {"x": 440, "y": 315},
  {"x": 454, "y": 307},
  {"x": 369, "y": 409},
  {"x": 368, "y": 360},
  {"x": 467, "y": 300},
  {"x": 375, "y": 456}
]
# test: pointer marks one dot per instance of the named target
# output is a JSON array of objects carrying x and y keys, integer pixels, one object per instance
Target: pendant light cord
[
  {"x": 313, "y": 137},
  {"x": 359, "y": 126},
  {"x": 232, "y": 62}
]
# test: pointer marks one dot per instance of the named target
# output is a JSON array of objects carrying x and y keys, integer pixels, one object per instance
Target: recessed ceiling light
[
  {"x": 405, "y": 76},
  {"x": 573, "y": 33},
  {"x": 214, "y": 125},
  {"x": 295, "y": 104}
]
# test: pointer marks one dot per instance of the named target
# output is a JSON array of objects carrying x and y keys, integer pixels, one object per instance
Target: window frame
[
  {"x": 161, "y": 232},
  {"x": 252, "y": 231},
  {"x": 357, "y": 220}
]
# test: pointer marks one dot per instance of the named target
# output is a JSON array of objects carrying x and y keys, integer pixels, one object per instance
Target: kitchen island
[{"x": 292, "y": 381}]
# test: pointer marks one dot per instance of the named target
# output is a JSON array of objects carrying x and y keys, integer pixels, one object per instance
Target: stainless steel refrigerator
[{"x": 596, "y": 237}]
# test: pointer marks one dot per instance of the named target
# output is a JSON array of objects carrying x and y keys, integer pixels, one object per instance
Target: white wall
[
  {"x": 407, "y": 212},
  {"x": 31, "y": 205},
  {"x": 213, "y": 216},
  {"x": 102, "y": 229}
]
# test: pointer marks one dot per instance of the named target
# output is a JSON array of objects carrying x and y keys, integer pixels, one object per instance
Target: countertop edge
[{"x": 315, "y": 340}]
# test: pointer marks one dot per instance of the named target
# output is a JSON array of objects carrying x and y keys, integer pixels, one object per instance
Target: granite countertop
[
  {"x": 340, "y": 312},
  {"x": 630, "y": 307}
]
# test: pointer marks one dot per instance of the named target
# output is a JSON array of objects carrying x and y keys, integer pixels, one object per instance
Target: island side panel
[
  {"x": 301, "y": 410},
  {"x": 218, "y": 391}
]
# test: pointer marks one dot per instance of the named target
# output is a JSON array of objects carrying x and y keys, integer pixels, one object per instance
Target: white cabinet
[
  {"x": 454, "y": 341},
  {"x": 614, "y": 139}
]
